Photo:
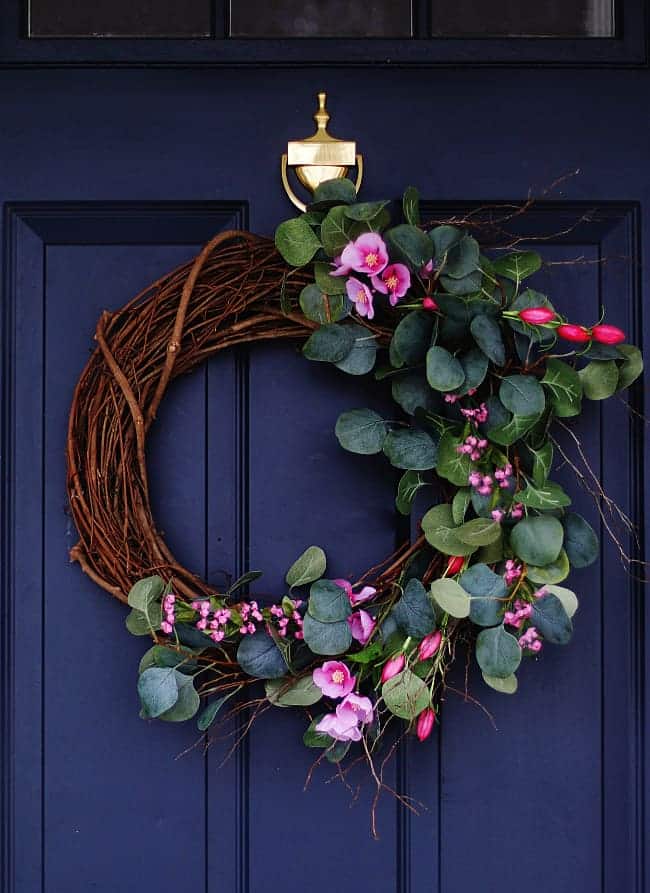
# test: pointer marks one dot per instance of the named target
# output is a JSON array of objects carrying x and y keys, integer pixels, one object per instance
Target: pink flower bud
[
  {"x": 577, "y": 334},
  {"x": 166, "y": 627},
  {"x": 425, "y": 723},
  {"x": 536, "y": 316},
  {"x": 392, "y": 667},
  {"x": 429, "y": 304},
  {"x": 608, "y": 334},
  {"x": 455, "y": 564},
  {"x": 429, "y": 645}
]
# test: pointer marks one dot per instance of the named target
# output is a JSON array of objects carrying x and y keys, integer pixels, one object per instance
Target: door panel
[{"x": 246, "y": 471}]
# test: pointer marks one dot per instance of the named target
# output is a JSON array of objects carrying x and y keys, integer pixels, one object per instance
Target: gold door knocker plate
[{"x": 319, "y": 157}]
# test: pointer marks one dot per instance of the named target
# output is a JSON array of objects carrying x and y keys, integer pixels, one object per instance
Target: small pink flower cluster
[
  {"x": 482, "y": 483},
  {"x": 530, "y": 640},
  {"x": 214, "y": 623},
  {"x": 513, "y": 571},
  {"x": 503, "y": 475},
  {"x": 452, "y": 398},
  {"x": 250, "y": 612},
  {"x": 522, "y": 612},
  {"x": 476, "y": 416},
  {"x": 168, "y": 604},
  {"x": 283, "y": 620},
  {"x": 473, "y": 447},
  {"x": 516, "y": 512}
]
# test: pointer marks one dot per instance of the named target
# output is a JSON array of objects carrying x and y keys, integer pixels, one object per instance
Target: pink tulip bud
[
  {"x": 425, "y": 723},
  {"x": 608, "y": 334},
  {"x": 455, "y": 564},
  {"x": 574, "y": 333},
  {"x": 536, "y": 316},
  {"x": 429, "y": 304},
  {"x": 392, "y": 667},
  {"x": 429, "y": 645}
]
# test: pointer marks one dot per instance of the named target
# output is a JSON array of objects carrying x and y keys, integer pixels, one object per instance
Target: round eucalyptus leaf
[
  {"x": 580, "y": 540},
  {"x": 308, "y": 567},
  {"x": 158, "y": 690},
  {"x": 410, "y": 449},
  {"x": 440, "y": 531},
  {"x": 414, "y": 612},
  {"x": 288, "y": 692},
  {"x": 330, "y": 343},
  {"x": 487, "y": 334},
  {"x": 566, "y": 596},
  {"x": 323, "y": 308},
  {"x": 412, "y": 337},
  {"x": 537, "y": 540},
  {"x": 479, "y": 532},
  {"x": 146, "y": 591},
  {"x": 339, "y": 190},
  {"x": 409, "y": 245},
  {"x": 361, "y": 431},
  {"x": 554, "y": 572},
  {"x": 551, "y": 620},
  {"x": 488, "y": 591},
  {"x": 406, "y": 695},
  {"x": 411, "y": 392},
  {"x": 296, "y": 241},
  {"x": 631, "y": 367},
  {"x": 328, "y": 602},
  {"x": 497, "y": 652},
  {"x": 599, "y": 380},
  {"x": 444, "y": 371},
  {"x": 451, "y": 597},
  {"x": 444, "y": 238},
  {"x": 187, "y": 703},
  {"x": 326, "y": 638},
  {"x": 522, "y": 395},
  {"x": 506, "y": 685},
  {"x": 259, "y": 656},
  {"x": 361, "y": 358}
]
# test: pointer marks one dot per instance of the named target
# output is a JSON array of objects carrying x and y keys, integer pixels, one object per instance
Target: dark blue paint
[{"x": 121, "y": 175}]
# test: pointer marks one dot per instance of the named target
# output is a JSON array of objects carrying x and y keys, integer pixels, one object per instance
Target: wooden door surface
[{"x": 119, "y": 160}]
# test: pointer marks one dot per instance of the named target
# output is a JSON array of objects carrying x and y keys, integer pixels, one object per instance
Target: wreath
[{"x": 483, "y": 370}]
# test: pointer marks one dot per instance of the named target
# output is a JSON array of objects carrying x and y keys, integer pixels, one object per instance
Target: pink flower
[
  {"x": 429, "y": 645},
  {"x": 361, "y": 297},
  {"x": 367, "y": 254},
  {"x": 497, "y": 515},
  {"x": 392, "y": 667},
  {"x": 429, "y": 304},
  {"x": 425, "y": 723},
  {"x": 340, "y": 269},
  {"x": 394, "y": 280},
  {"x": 536, "y": 316},
  {"x": 345, "y": 724},
  {"x": 334, "y": 679},
  {"x": 361, "y": 626},
  {"x": 166, "y": 627},
  {"x": 356, "y": 598}
]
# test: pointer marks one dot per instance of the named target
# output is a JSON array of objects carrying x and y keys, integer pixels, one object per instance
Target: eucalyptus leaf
[
  {"x": 580, "y": 540},
  {"x": 361, "y": 358},
  {"x": 410, "y": 449},
  {"x": 546, "y": 496},
  {"x": 452, "y": 465},
  {"x": 187, "y": 703},
  {"x": 522, "y": 395},
  {"x": 209, "y": 714},
  {"x": 146, "y": 591},
  {"x": 259, "y": 656},
  {"x": 460, "y": 504},
  {"x": 296, "y": 241},
  {"x": 551, "y": 619},
  {"x": 323, "y": 308},
  {"x": 158, "y": 690},
  {"x": 339, "y": 190},
  {"x": 406, "y": 695},
  {"x": 411, "y": 392},
  {"x": 497, "y": 652},
  {"x": 475, "y": 366},
  {"x": 330, "y": 285},
  {"x": 566, "y": 596},
  {"x": 518, "y": 266},
  {"x": 288, "y": 692},
  {"x": 506, "y": 685},
  {"x": 326, "y": 638},
  {"x": 564, "y": 386},
  {"x": 409, "y": 484},
  {"x": 599, "y": 379},
  {"x": 479, "y": 532},
  {"x": 308, "y": 567},
  {"x": 440, "y": 531},
  {"x": 329, "y": 344},
  {"x": 513, "y": 430},
  {"x": 328, "y": 602},
  {"x": 451, "y": 597},
  {"x": 409, "y": 245},
  {"x": 412, "y": 338},
  {"x": 414, "y": 612},
  {"x": 631, "y": 367},
  {"x": 367, "y": 211},
  {"x": 555, "y": 572},
  {"x": 488, "y": 591},
  {"x": 537, "y": 540},
  {"x": 335, "y": 231},
  {"x": 361, "y": 431},
  {"x": 487, "y": 334}
]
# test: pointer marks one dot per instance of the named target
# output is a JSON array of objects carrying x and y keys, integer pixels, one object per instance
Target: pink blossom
[
  {"x": 394, "y": 280},
  {"x": 345, "y": 724},
  {"x": 361, "y": 626},
  {"x": 367, "y": 254},
  {"x": 497, "y": 515},
  {"x": 356, "y": 598},
  {"x": 517, "y": 511},
  {"x": 166, "y": 627},
  {"x": 425, "y": 723},
  {"x": 334, "y": 679},
  {"x": 429, "y": 645},
  {"x": 513, "y": 571},
  {"x": 361, "y": 297},
  {"x": 340, "y": 269},
  {"x": 392, "y": 667}
]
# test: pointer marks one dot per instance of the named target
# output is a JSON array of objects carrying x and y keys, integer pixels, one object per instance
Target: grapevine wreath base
[{"x": 482, "y": 369}]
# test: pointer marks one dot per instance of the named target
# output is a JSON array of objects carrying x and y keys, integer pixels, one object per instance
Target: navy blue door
[{"x": 113, "y": 175}]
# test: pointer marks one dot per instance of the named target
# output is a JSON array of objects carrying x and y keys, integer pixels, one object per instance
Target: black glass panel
[
  {"x": 120, "y": 18},
  {"x": 320, "y": 18},
  {"x": 523, "y": 18}
]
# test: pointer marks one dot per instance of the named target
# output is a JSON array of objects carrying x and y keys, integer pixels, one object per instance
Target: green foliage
[
  {"x": 335, "y": 231},
  {"x": 308, "y": 567},
  {"x": 551, "y": 620},
  {"x": 326, "y": 638},
  {"x": 475, "y": 366},
  {"x": 440, "y": 531},
  {"x": 487, "y": 334},
  {"x": 209, "y": 714},
  {"x": 145, "y": 592},
  {"x": 451, "y": 597},
  {"x": 409, "y": 245},
  {"x": 537, "y": 540},
  {"x": 410, "y": 449},
  {"x": 328, "y": 602},
  {"x": 296, "y": 241},
  {"x": 361, "y": 358},
  {"x": 599, "y": 379},
  {"x": 452, "y": 465},
  {"x": 580, "y": 540},
  {"x": 330, "y": 285},
  {"x": 409, "y": 484},
  {"x": 361, "y": 431},
  {"x": 488, "y": 591},
  {"x": 546, "y": 496},
  {"x": 411, "y": 206},
  {"x": 479, "y": 532},
  {"x": 414, "y": 612},
  {"x": 497, "y": 652},
  {"x": 513, "y": 430},
  {"x": 522, "y": 395},
  {"x": 554, "y": 572},
  {"x": 330, "y": 343},
  {"x": 259, "y": 656},
  {"x": 566, "y": 596},
  {"x": 158, "y": 690},
  {"x": 406, "y": 695},
  {"x": 339, "y": 190},
  {"x": 506, "y": 685},
  {"x": 565, "y": 388},
  {"x": 288, "y": 692},
  {"x": 462, "y": 258},
  {"x": 368, "y": 212},
  {"x": 518, "y": 266},
  {"x": 187, "y": 703},
  {"x": 411, "y": 392},
  {"x": 412, "y": 338},
  {"x": 321, "y": 307},
  {"x": 631, "y": 367}
]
